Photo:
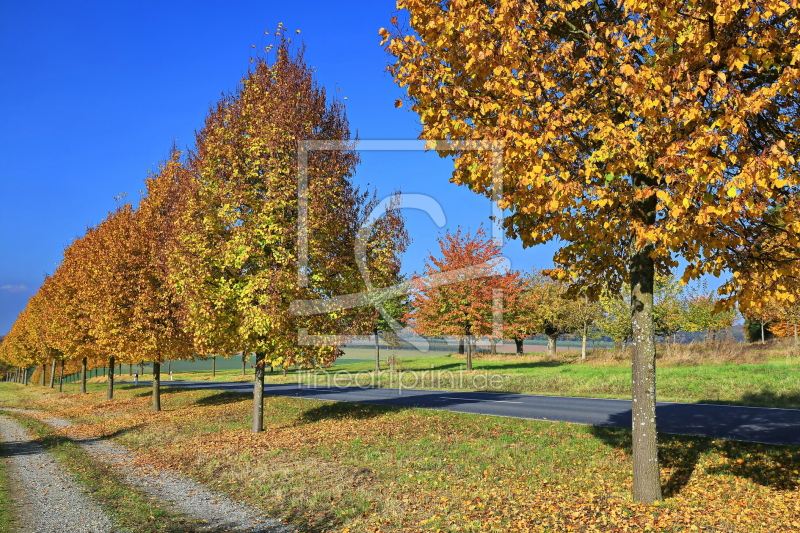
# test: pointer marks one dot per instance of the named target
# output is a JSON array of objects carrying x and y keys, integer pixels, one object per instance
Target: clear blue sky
[{"x": 92, "y": 95}]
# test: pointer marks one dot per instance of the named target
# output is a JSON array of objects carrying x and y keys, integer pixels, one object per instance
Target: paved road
[{"x": 753, "y": 424}]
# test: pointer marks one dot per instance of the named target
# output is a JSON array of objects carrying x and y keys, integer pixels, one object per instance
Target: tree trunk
[
  {"x": 258, "y": 394},
  {"x": 583, "y": 344},
  {"x": 61, "y": 377},
  {"x": 762, "y": 332},
  {"x": 795, "y": 337},
  {"x": 284, "y": 370},
  {"x": 377, "y": 352},
  {"x": 41, "y": 378},
  {"x": 156, "y": 386},
  {"x": 461, "y": 346},
  {"x": 83, "y": 376},
  {"x": 494, "y": 346},
  {"x": 213, "y": 367},
  {"x": 391, "y": 360},
  {"x": 468, "y": 347},
  {"x": 646, "y": 474},
  {"x": 110, "y": 390},
  {"x": 552, "y": 345},
  {"x": 52, "y": 373},
  {"x": 130, "y": 369},
  {"x": 244, "y": 362},
  {"x": 25, "y": 376},
  {"x": 520, "y": 348}
]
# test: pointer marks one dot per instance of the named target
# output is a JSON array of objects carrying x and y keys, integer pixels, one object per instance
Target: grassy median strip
[
  {"x": 129, "y": 507},
  {"x": 5, "y": 495}
]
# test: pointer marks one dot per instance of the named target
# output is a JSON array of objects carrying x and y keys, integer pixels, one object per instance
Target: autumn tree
[
  {"x": 555, "y": 314},
  {"x": 585, "y": 314},
  {"x": 703, "y": 312},
  {"x": 786, "y": 321},
  {"x": 158, "y": 314},
  {"x": 669, "y": 305},
  {"x": 235, "y": 258},
  {"x": 520, "y": 313},
  {"x": 615, "y": 318},
  {"x": 636, "y": 133},
  {"x": 456, "y": 292}
]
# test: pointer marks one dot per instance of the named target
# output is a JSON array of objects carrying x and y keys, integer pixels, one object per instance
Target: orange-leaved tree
[
  {"x": 519, "y": 315},
  {"x": 635, "y": 132},
  {"x": 158, "y": 315},
  {"x": 457, "y": 291}
]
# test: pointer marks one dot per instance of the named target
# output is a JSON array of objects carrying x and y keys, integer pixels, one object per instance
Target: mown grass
[
  {"x": 351, "y": 467},
  {"x": 129, "y": 507},
  {"x": 767, "y": 380},
  {"x": 6, "y": 516}
]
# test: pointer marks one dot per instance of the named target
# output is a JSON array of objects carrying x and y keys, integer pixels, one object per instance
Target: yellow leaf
[
  {"x": 627, "y": 70},
  {"x": 732, "y": 192}
]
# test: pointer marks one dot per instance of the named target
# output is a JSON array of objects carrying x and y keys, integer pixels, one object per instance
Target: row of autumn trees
[{"x": 209, "y": 261}]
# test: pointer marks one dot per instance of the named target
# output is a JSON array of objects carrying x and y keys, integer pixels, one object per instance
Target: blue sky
[{"x": 92, "y": 95}]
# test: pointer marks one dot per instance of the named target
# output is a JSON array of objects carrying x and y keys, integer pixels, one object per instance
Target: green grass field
[{"x": 770, "y": 383}]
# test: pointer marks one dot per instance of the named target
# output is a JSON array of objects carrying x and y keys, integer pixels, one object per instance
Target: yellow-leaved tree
[
  {"x": 236, "y": 254},
  {"x": 637, "y": 133}
]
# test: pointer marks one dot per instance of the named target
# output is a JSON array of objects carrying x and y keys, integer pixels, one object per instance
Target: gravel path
[
  {"x": 46, "y": 498},
  {"x": 219, "y": 512}
]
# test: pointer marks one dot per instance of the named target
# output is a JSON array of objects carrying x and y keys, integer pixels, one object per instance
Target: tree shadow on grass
[
  {"x": 765, "y": 464},
  {"x": 113, "y": 434},
  {"x": 763, "y": 398},
  {"x": 223, "y": 398},
  {"x": 344, "y": 410},
  {"x": 478, "y": 366}
]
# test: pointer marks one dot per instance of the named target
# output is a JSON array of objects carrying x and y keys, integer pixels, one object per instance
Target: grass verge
[
  {"x": 351, "y": 467},
  {"x": 129, "y": 507},
  {"x": 771, "y": 383}
]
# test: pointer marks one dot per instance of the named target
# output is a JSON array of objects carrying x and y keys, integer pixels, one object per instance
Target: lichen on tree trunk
[
  {"x": 156, "y": 386},
  {"x": 646, "y": 473},
  {"x": 83, "y": 376},
  {"x": 552, "y": 345},
  {"x": 110, "y": 390},
  {"x": 377, "y": 352},
  {"x": 258, "y": 394},
  {"x": 468, "y": 347},
  {"x": 583, "y": 343}
]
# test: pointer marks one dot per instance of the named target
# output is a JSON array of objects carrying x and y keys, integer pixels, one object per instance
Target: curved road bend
[{"x": 752, "y": 424}]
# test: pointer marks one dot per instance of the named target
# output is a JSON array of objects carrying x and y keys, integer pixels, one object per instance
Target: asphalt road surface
[{"x": 752, "y": 424}]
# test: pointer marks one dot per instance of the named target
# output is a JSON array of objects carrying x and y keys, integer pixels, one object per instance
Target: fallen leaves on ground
[{"x": 349, "y": 467}]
